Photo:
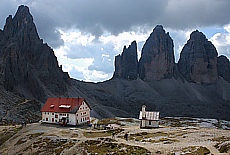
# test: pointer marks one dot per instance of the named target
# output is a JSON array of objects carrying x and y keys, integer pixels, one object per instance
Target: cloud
[
  {"x": 179, "y": 14},
  {"x": 99, "y": 16},
  {"x": 221, "y": 41}
]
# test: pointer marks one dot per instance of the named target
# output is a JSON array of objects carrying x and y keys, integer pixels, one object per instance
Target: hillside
[{"x": 169, "y": 96}]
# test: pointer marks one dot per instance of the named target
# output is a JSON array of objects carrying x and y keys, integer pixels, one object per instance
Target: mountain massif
[{"x": 198, "y": 85}]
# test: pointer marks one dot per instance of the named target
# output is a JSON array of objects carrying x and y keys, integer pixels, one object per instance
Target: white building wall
[
  {"x": 48, "y": 117},
  {"x": 153, "y": 124},
  {"x": 72, "y": 119},
  {"x": 83, "y": 114}
]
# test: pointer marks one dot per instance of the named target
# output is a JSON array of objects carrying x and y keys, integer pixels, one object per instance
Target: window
[
  {"x": 149, "y": 122},
  {"x": 45, "y": 113},
  {"x": 48, "y": 113},
  {"x": 46, "y": 119},
  {"x": 52, "y": 113},
  {"x": 56, "y": 116},
  {"x": 77, "y": 114}
]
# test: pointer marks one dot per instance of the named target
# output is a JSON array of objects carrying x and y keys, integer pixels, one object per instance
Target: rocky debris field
[{"x": 174, "y": 136}]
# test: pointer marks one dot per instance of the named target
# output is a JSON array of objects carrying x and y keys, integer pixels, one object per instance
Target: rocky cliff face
[
  {"x": 223, "y": 67},
  {"x": 198, "y": 60},
  {"x": 157, "y": 57},
  {"x": 126, "y": 64},
  {"x": 28, "y": 67}
]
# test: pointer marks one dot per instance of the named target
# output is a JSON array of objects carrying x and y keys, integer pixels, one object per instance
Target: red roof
[{"x": 63, "y": 105}]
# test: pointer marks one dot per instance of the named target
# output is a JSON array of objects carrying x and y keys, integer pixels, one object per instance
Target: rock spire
[
  {"x": 198, "y": 60},
  {"x": 28, "y": 67},
  {"x": 126, "y": 64},
  {"x": 223, "y": 67},
  {"x": 157, "y": 57}
]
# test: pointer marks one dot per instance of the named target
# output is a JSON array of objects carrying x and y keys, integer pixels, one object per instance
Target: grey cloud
[
  {"x": 6, "y": 10},
  {"x": 196, "y": 13},
  {"x": 98, "y": 16}
]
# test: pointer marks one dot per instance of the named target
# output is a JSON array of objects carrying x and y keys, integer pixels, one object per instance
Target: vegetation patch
[
  {"x": 67, "y": 145},
  {"x": 178, "y": 134},
  {"x": 178, "y": 122},
  {"x": 223, "y": 144},
  {"x": 34, "y": 135},
  {"x": 106, "y": 121},
  {"x": 65, "y": 132},
  {"x": 164, "y": 140},
  {"x": 74, "y": 135},
  {"x": 192, "y": 150},
  {"x": 49, "y": 146},
  {"x": 8, "y": 133},
  {"x": 144, "y": 135},
  {"x": 104, "y": 133},
  {"x": 30, "y": 136},
  {"x": 96, "y": 134},
  {"x": 91, "y": 147}
]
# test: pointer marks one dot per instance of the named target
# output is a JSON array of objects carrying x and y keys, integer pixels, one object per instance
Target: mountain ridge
[{"x": 30, "y": 70}]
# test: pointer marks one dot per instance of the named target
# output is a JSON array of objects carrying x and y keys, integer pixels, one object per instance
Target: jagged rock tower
[
  {"x": 28, "y": 67},
  {"x": 223, "y": 67},
  {"x": 198, "y": 60},
  {"x": 126, "y": 64},
  {"x": 157, "y": 58}
]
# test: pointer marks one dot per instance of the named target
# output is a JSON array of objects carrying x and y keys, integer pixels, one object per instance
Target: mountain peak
[
  {"x": 198, "y": 60},
  {"x": 27, "y": 61},
  {"x": 159, "y": 28},
  {"x": 21, "y": 24},
  {"x": 197, "y": 35},
  {"x": 157, "y": 57},
  {"x": 23, "y": 16},
  {"x": 126, "y": 64},
  {"x": 23, "y": 8}
]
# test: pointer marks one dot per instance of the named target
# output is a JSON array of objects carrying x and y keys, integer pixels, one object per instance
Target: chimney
[{"x": 143, "y": 111}]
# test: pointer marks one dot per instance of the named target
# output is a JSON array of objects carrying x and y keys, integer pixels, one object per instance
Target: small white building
[
  {"x": 149, "y": 119},
  {"x": 70, "y": 111}
]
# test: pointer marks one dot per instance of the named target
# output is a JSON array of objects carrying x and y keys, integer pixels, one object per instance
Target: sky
[{"x": 86, "y": 35}]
